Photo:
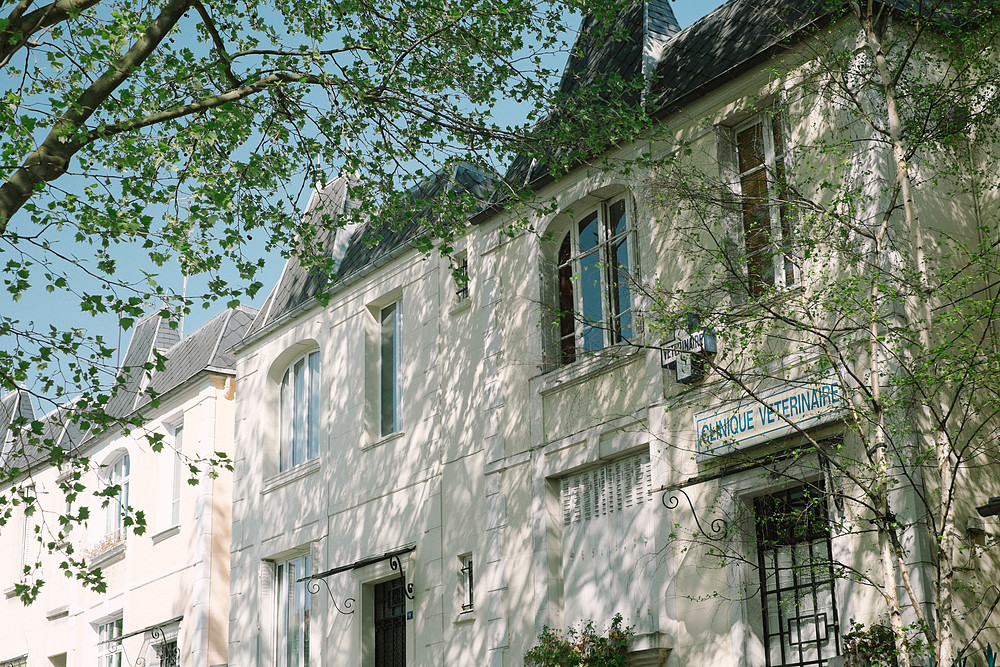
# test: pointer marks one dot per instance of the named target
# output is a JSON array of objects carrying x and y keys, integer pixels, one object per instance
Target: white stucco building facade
[{"x": 166, "y": 600}]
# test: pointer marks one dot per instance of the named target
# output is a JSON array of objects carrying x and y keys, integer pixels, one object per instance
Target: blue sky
[{"x": 62, "y": 309}]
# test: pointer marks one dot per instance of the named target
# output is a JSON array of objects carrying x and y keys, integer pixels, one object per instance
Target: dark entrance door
[{"x": 390, "y": 624}]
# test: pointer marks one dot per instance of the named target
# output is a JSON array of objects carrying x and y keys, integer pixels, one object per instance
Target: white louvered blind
[
  {"x": 611, "y": 488},
  {"x": 608, "y": 543}
]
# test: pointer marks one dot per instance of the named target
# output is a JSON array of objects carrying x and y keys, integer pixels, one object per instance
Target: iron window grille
[
  {"x": 468, "y": 582},
  {"x": 800, "y": 624}
]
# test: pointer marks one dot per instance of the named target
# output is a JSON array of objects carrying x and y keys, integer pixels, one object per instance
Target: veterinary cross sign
[{"x": 687, "y": 352}]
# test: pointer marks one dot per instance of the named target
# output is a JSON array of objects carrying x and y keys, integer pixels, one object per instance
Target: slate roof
[
  {"x": 207, "y": 348},
  {"x": 727, "y": 42},
  {"x": 601, "y": 59},
  {"x": 13, "y": 406},
  {"x": 355, "y": 247},
  {"x": 720, "y": 46}
]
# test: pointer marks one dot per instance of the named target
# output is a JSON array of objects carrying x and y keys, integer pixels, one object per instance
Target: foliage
[
  {"x": 872, "y": 260},
  {"x": 875, "y": 645},
  {"x": 582, "y": 647},
  {"x": 148, "y": 141}
]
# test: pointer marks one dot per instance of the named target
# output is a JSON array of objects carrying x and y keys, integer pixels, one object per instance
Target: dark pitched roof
[
  {"x": 604, "y": 59},
  {"x": 206, "y": 348},
  {"x": 14, "y": 406},
  {"x": 719, "y": 46},
  {"x": 355, "y": 247},
  {"x": 726, "y": 43}
]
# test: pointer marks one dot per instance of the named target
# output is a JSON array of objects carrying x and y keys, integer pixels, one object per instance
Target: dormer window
[
  {"x": 300, "y": 411},
  {"x": 594, "y": 268}
]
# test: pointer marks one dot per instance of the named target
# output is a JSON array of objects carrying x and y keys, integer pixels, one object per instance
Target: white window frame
[
  {"x": 177, "y": 478},
  {"x": 467, "y": 584},
  {"x": 597, "y": 334},
  {"x": 389, "y": 348},
  {"x": 109, "y": 651},
  {"x": 291, "y": 595},
  {"x": 784, "y": 271},
  {"x": 118, "y": 473},
  {"x": 463, "y": 288},
  {"x": 299, "y": 407}
]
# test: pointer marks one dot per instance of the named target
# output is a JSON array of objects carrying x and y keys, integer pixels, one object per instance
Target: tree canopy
[{"x": 142, "y": 136}]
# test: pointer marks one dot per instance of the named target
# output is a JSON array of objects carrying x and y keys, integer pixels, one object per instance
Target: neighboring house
[
  {"x": 428, "y": 473},
  {"x": 167, "y": 600}
]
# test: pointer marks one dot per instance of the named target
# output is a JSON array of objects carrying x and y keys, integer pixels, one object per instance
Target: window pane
[
  {"x": 592, "y": 302},
  {"x": 387, "y": 371},
  {"x": 313, "y": 449},
  {"x": 299, "y": 427},
  {"x": 588, "y": 233},
  {"x": 621, "y": 294},
  {"x": 177, "y": 482},
  {"x": 287, "y": 411},
  {"x": 566, "y": 315},
  {"x": 750, "y": 144},
  {"x": 617, "y": 220}
]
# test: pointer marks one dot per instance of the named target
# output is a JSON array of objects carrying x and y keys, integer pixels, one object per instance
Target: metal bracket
[
  {"x": 719, "y": 526},
  {"x": 313, "y": 587},
  {"x": 395, "y": 564}
]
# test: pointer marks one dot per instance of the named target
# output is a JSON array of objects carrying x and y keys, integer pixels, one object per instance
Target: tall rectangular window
[
  {"x": 292, "y": 612},
  {"x": 796, "y": 578},
  {"x": 28, "y": 539},
  {"x": 467, "y": 588},
  {"x": 300, "y": 410},
  {"x": 177, "y": 481},
  {"x": 460, "y": 276},
  {"x": 389, "y": 369},
  {"x": 767, "y": 229},
  {"x": 109, "y": 646},
  {"x": 118, "y": 476}
]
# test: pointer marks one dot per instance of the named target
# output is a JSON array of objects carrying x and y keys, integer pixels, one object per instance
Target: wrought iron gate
[{"x": 390, "y": 624}]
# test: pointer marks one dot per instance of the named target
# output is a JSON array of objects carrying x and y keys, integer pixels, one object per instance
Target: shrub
[{"x": 582, "y": 647}]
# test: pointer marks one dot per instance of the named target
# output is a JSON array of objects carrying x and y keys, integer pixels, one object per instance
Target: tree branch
[
  {"x": 21, "y": 27},
  {"x": 51, "y": 159}
]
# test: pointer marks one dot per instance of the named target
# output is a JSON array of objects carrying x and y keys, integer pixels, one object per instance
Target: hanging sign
[
  {"x": 686, "y": 352},
  {"x": 746, "y": 422}
]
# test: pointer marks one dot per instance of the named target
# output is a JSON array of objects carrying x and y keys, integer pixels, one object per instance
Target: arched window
[
  {"x": 594, "y": 297},
  {"x": 117, "y": 507},
  {"x": 299, "y": 411}
]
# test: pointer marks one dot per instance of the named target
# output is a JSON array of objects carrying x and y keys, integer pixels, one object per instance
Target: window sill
[
  {"x": 584, "y": 369},
  {"x": 57, "y": 613},
  {"x": 465, "y": 617},
  {"x": 164, "y": 534},
  {"x": 10, "y": 592},
  {"x": 293, "y": 474},
  {"x": 110, "y": 555},
  {"x": 461, "y": 306},
  {"x": 383, "y": 440}
]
